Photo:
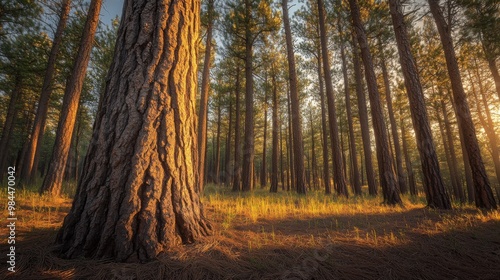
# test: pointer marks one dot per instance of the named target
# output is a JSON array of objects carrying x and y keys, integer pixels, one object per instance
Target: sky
[{"x": 110, "y": 9}]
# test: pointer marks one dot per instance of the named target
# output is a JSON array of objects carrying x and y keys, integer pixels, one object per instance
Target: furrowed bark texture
[
  {"x": 385, "y": 164},
  {"x": 137, "y": 194},
  {"x": 53, "y": 181},
  {"x": 483, "y": 194},
  {"x": 435, "y": 191}
]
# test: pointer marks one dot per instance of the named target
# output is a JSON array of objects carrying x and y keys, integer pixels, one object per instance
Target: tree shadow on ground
[{"x": 459, "y": 251}]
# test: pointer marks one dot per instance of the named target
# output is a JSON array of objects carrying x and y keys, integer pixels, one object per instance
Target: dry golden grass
[{"x": 284, "y": 236}]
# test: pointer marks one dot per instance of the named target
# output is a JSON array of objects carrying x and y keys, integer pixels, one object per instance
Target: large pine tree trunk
[
  {"x": 248, "y": 139},
  {"x": 29, "y": 170},
  {"x": 363, "y": 120},
  {"x": 338, "y": 168},
  {"x": 53, "y": 181},
  {"x": 385, "y": 164},
  {"x": 435, "y": 191},
  {"x": 203, "y": 110},
  {"x": 137, "y": 196},
  {"x": 298, "y": 149},
  {"x": 483, "y": 193}
]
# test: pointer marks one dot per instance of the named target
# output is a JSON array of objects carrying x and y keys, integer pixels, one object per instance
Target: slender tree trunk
[
  {"x": 385, "y": 164},
  {"x": 136, "y": 197},
  {"x": 338, "y": 168},
  {"x": 228, "y": 171},
  {"x": 237, "y": 137},
  {"x": 494, "y": 72},
  {"x": 324, "y": 127},
  {"x": 352, "y": 141},
  {"x": 290, "y": 145},
  {"x": 217, "y": 148},
  {"x": 450, "y": 156},
  {"x": 487, "y": 123},
  {"x": 29, "y": 170},
  {"x": 274, "y": 155},
  {"x": 8, "y": 126},
  {"x": 437, "y": 197},
  {"x": 298, "y": 149},
  {"x": 53, "y": 181},
  {"x": 483, "y": 193},
  {"x": 314, "y": 165},
  {"x": 281, "y": 155},
  {"x": 263, "y": 174},
  {"x": 394, "y": 130},
  {"x": 363, "y": 120},
  {"x": 203, "y": 110},
  {"x": 409, "y": 169}
]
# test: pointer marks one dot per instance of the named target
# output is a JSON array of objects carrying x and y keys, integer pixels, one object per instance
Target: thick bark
[
  {"x": 248, "y": 140},
  {"x": 53, "y": 181},
  {"x": 274, "y": 153},
  {"x": 136, "y": 197},
  {"x": 483, "y": 193},
  {"x": 363, "y": 120},
  {"x": 356, "y": 184},
  {"x": 435, "y": 191},
  {"x": 324, "y": 127},
  {"x": 8, "y": 126},
  {"x": 394, "y": 130},
  {"x": 338, "y": 168},
  {"x": 29, "y": 170},
  {"x": 203, "y": 110},
  {"x": 237, "y": 138},
  {"x": 298, "y": 149},
  {"x": 385, "y": 164}
]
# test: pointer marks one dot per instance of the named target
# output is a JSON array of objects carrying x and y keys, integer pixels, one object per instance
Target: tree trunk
[
  {"x": 394, "y": 130},
  {"x": 8, "y": 126},
  {"x": 352, "y": 142},
  {"x": 53, "y": 181},
  {"x": 483, "y": 193},
  {"x": 487, "y": 123},
  {"x": 274, "y": 155},
  {"x": 217, "y": 147},
  {"x": 29, "y": 170},
  {"x": 363, "y": 120},
  {"x": 289, "y": 145},
  {"x": 137, "y": 194},
  {"x": 228, "y": 171},
  {"x": 263, "y": 174},
  {"x": 313, "y": 154},
  {"x": 409, "y": 168},
  {"x": 248, "y": 141},
  {"x": 385, "y": 164},
  {"x": 237, "y": 136},
  {"x": 436, "y": 194},
  {"x": 298, "y": 149},
  {"x": 494, "y": 72},
  {"x": 451, "y": 157},
  {"x": 281, "y": 154},
  {"x": 338, "y": 168},
  {"x": 324, "y": 127},
  {"x": 203, "y": 111}
]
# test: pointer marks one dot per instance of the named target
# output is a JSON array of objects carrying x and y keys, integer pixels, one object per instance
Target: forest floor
[{"x": 281, "y": 236}]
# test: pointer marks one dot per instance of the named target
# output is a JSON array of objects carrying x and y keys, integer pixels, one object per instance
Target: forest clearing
[
  {"x": 250, "y": 139},
  {"x": 287, "y": 236}
]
